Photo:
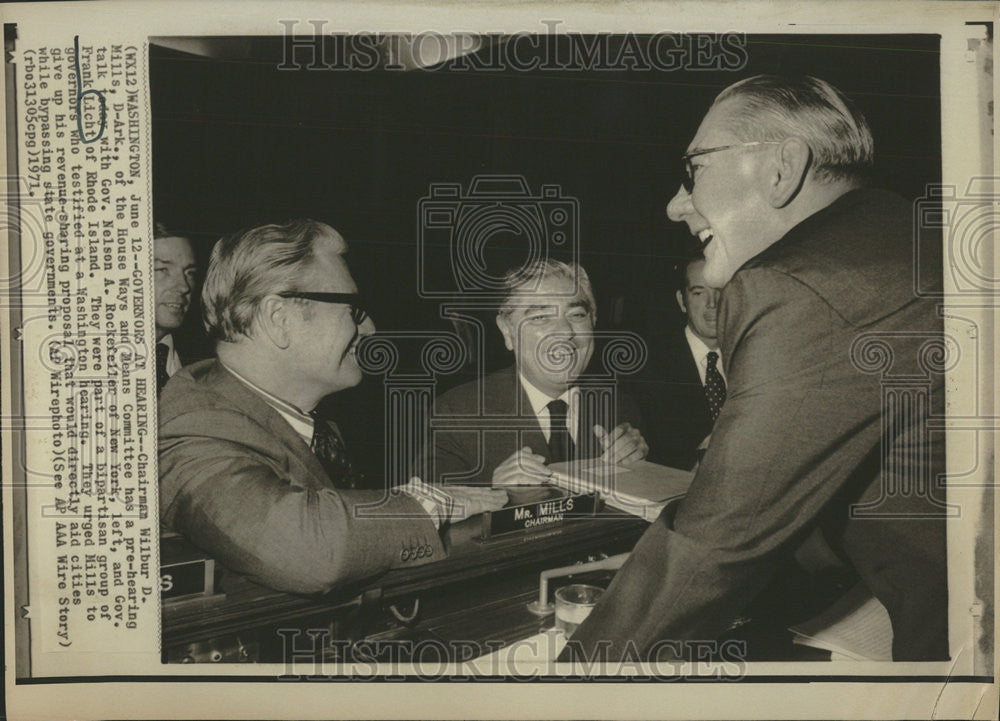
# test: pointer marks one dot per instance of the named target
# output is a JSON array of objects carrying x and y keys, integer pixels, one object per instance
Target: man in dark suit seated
[
  {"x": 534, "y": 413},
  {"x": 820, "y": 327},
  {"x": 683, "y": 385},
  {"x": 174, "y": 277},
  {"x": 248, "y": 472}
]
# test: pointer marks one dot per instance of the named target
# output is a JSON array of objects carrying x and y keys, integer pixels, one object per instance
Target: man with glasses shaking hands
[
  {"x": 818, "y": 319},
  {"x": 248, "y": 471}
]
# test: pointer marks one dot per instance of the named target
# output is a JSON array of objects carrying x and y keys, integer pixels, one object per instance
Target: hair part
[
  {"x": 681, "y": 269},
  {"x": 526, "y": 279},
  {"x": 248, "y": 266},
  {"x": 774, "y": 108}
]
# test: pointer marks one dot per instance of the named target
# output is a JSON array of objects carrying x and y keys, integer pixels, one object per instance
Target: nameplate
[
  {"x": 194, "y": 578},
  {"x": 184, "y": 570},
  {"x": 535, "y": 516}
]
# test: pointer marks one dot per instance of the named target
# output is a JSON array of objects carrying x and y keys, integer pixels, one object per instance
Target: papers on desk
[
  {"x": 855, "y": 628},
  {"x": 642, "y": 490}
]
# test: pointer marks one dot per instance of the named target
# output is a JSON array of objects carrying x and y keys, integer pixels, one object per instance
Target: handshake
[{"x": 623, "y": 446}]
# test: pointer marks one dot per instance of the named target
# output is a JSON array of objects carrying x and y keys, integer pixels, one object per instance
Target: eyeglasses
[
  {"x": 358, "y": 312},
  {"x": 688, "y": 180}
]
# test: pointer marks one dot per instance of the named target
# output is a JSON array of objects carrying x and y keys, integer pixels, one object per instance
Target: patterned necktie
[
  {"x": 162, "y": 351},
  {"x": 561, "y": 446},
  {"x": 715, "y": 386},
  {"x": 329, "y": 448}
]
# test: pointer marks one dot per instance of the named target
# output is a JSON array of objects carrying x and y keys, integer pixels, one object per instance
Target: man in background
[
  {"x": 814, "y": 267},
  {"x": 174, "y": 278},
  {"x": 249, "y": 472},
  {"x": 683, "y": 385}
]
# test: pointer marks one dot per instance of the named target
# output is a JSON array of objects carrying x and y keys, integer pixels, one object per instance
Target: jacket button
[
  {"x": 421, "y": 551},
  {"x": 430, "y": 550},
  {"x": 404, "y": 555}
]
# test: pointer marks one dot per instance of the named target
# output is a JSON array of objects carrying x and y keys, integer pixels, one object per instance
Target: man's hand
[
  {"x": 623, "y": 446},
  {"x": 466, "y": 501},
  {"x": 522, "y": 468}
]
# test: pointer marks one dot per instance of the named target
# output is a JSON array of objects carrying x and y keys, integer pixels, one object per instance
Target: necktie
[
  {"x": 560, "y": 442},
  {"x": 715, "y": 386},
  {"x": 162, "y": 351},
  {"x": 329, "y": 448}
]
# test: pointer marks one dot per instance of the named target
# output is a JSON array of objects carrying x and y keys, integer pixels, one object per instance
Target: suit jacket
[
  {"x": 811, "y": 331},
  {"x": 238, "y": 481},
  {"x": 500, "y": 422},
  {"x": 672, "y": 400}
]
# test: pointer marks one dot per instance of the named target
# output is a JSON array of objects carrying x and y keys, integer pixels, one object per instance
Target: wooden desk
[{"x": 476, "y": 596}]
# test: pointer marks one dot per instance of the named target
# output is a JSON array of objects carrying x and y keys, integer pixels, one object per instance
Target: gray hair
[
  {"x": 775, "y": 108},
  {"x": 248, "y": 266},
  {"x": 527, "y": 278}
]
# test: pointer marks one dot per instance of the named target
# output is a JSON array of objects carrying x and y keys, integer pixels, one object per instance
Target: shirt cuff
[{"x": 438, "y": 504}]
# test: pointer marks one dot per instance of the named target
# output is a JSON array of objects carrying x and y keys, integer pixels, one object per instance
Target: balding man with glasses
[
  {"x": 248, "y": 471},
  {"x": 820, "y": 327}
]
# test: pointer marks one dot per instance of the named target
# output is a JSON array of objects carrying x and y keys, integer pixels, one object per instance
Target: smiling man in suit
[
  {"x": 538, "y": 412},
  {"x": 814, "y": 436},
  {"x": 249, "y": 472},
  {"x": 683, "y": 384}
]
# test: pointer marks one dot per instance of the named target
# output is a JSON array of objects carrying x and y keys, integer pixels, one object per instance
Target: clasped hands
[{"x": 623, "y": 446}]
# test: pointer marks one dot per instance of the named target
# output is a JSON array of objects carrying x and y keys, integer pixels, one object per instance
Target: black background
[{"x": 238, "y": 142}]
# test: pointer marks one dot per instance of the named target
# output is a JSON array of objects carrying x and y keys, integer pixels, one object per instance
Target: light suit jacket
[{"x": 237, "y": 481}]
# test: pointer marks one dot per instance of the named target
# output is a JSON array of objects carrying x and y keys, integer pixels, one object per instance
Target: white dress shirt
[
  {"x": 173, "y": 360},
  {"x": 699, "y": 351},
  {"x": 539, "y": 405}
]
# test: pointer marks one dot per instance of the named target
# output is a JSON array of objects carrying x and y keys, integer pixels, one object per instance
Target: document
[{"x": 642, "y": 489}]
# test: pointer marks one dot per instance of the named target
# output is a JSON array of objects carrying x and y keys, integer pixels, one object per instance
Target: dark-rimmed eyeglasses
[
  {"x": 687, "y": 181},
  {"x": 358, "y": 312}
]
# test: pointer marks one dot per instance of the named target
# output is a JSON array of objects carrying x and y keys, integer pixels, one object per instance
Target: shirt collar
[
  {"x": 540, "y": 400},
  {"x": 167, "y": 340},
  {"x": 273, "y": 400},
  {"x": 698, "y": 347}
]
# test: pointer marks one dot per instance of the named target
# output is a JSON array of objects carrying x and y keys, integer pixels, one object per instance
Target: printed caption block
[{"x": 87, "y": 340}]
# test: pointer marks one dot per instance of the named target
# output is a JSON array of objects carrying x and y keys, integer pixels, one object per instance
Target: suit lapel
[
  {"x": 257, "y": 408},
  {"x": 533, "y": 436},
  {"x": 691, "y": 378}
]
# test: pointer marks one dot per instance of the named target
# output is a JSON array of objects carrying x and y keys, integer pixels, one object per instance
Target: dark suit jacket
[
  {"x": 672, "y": 400},
  {"x": 237, "y": 481},
  {"x": 493, "y": 418},
  {"x": 814, "y": 332}
]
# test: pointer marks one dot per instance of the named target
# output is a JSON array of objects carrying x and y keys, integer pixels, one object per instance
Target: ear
[
  {"x": 273, "y": 320},
  {"x": 506, "y": 330},
  {"x": 793, "y": 160},
  {"x": 680, "y": 302}
]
